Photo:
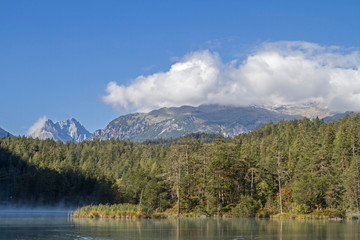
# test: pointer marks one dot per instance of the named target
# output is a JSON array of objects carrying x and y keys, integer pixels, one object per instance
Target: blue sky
[{"x": 68, "y": 59}]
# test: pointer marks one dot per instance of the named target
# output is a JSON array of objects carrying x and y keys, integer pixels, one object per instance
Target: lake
[{"x": 57, "y": 225}]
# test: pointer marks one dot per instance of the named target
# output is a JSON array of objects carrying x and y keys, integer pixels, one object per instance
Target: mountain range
[
  {"x": 69, "y": 130},
  {"x": 178, "y": 121},
  {"x": 4, "y": 134},
  {"x": 175, "y": 122}
]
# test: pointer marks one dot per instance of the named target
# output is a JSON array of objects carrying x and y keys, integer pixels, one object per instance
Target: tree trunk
[
  {"x": 353, "y": 149},
  {"x": 178, "y": 190},
  {"x": 204, "y": 174},
  {"x": 357, "y": 196},
  {"x": 252, "y": 182},
  {"x": 187, "y": 168},
  {"x": 289, "y": 159},
  {"x": 358, "y": 184},
  {"x": 279, "y": 180}
]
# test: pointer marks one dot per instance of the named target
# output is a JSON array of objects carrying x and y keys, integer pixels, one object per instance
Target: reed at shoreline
[{"x": 126, "y": 211}]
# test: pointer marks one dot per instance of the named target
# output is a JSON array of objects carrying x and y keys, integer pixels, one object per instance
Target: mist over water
[{"x": 27, "y": 211}]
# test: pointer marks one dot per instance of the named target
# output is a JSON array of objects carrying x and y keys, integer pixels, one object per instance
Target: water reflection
[
  {"x": 62, "y": 227},
  {"x": 244, "y": 228}
]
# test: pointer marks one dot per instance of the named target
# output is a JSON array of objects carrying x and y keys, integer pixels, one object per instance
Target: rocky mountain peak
[{"x": 68, "y": 130}]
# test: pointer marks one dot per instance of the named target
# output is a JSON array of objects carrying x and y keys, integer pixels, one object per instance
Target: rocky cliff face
[
  {"x": 177, "y": 122},
  {"x": 69, "y": 130}
]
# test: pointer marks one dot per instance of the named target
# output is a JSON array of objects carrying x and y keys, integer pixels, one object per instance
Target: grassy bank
[
  {"x": 326, "y": 214},
  {"x": 111, "y": 211},
  {"x": 127, "y": 211}
]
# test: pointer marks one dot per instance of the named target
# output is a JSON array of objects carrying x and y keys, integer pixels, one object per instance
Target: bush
[
  {"x": 264, "y": 213},
  {"x": 301, "y": 208},
  {"x": 94, "y": 214},
  {"x": 246, "y": 207},
  {"x": 327, "y": 213},
  {"x": 113, "y": 211},
  {"x": 158, "y": 215}
]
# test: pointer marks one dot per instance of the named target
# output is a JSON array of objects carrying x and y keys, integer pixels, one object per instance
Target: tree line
[{"x": 293, "y": 166}]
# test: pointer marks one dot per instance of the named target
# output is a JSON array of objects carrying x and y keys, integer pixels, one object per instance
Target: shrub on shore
[
  {"x": 328, "y": 214},
  {"x": 112, "y": 211}
]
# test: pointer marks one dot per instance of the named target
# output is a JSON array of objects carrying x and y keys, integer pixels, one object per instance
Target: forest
[{"x": 296, "y": 166}]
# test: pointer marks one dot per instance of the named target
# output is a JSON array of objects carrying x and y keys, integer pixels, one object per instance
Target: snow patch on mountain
[{"x": 309, "y": 109}]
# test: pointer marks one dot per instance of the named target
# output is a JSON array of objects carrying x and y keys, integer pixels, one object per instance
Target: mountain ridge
[
  {"x": 4, "y": 133},
  {"x": 68, "y": 130},
  {"x": 175, "y": 122}
]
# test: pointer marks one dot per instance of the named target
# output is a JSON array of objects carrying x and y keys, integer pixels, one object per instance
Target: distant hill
[
  {"x": 4, "y": 134},
  {"x": 336, "y": 116},
  {"x": 175, "y": 122},
  {"x": 69, "y": 130},
  {"x": 203, "y": 137}
]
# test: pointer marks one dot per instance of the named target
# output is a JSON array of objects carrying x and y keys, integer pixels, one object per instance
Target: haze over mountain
[
  {"x": 69, "y": 130},
  {"x": 4, "y": 134}
]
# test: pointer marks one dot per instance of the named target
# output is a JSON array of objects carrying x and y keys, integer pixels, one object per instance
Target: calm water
[{"x": 56, "y": 225}]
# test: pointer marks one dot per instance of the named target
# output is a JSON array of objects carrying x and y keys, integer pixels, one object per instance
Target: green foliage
[
  {"x": 199, "y": 136},
  {"x": 316, "y": 165},
  {"x": 247, "y": 207},
  {"x": 327, "y": 213},
  {"x": 112, "y": 211},
  {"x": 158, "y": 215}
]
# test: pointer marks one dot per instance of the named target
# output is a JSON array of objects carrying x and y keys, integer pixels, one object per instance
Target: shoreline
[{"x": 128, "y": 211}]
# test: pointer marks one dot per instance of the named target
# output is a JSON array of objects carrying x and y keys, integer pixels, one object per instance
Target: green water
[{"x": 59, "y": 226}]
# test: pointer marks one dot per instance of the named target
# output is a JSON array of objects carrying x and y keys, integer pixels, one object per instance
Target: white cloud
[{"x": 275, "y": 73}]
